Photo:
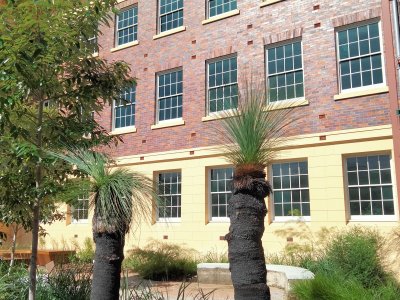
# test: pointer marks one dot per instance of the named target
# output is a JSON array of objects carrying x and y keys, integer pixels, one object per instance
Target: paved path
[{"x": 170, "y": 289}]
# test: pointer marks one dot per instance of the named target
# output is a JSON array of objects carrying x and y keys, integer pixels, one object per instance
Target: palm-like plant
[
  {"x": 251, "y": 135},
  {"x": 119, "y": 197}
]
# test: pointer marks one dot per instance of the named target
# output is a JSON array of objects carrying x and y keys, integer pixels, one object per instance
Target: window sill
[
  {"x": 291, "y": 219},
  {"x": 373, "y": 219},
  {"x": 221, "y": 16},
  {"x": 123, "y": 46},
  {"x": 169, "y": 32},
  {"x": 286, "y": 104},
  {"x": 360, "y": 93},
  {"x": 269, "y": 2},
  {"x": 218, "y": 115},
  {"x": 219, "y": 220},
  {"x": 169, "y": 123},
  {"x": 83, "y": 222},
  {"x": 167, "y": 221},
  {"x": 124, "y": 130}
]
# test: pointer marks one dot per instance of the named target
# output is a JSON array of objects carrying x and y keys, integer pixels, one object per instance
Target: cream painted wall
[{"x": 326, "y": 184}]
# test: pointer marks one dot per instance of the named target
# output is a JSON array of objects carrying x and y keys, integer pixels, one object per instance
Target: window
[
  {"x": 171, "y": 14},
  {"x": 369, "y": 184},
  {"x": 92, "y": 43},
  {"x": 127, "y": 23},
  {"x": 80, "y": 211},
  {"x": 217, "y": 7},
  {"x": 360, "y": 56},
  {"x": 290, "y": 185},
  {"x": 124, "y": 109},
  {"x": 285, "y": 72},
  {"x": 220, "y": 192},
  {"x": 170, "y": 90},
  {"x": 222, "y": 84},
  {"x": 169, "y": 191}
]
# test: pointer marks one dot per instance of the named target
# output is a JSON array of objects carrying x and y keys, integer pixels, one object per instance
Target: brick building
[{"x": 334, "y": 61}]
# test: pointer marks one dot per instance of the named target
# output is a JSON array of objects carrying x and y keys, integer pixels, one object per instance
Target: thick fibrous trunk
[
  {"x": 107, "y": 265},
  {"x": 247, "y": 211}
]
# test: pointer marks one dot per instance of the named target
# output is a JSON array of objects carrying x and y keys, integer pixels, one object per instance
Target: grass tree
[
  {"x": 251, "y": 134},
  {"x": 119, "y": 197}
]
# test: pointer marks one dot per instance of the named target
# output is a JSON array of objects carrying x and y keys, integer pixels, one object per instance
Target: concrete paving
[{"x": 171, "y": 289}]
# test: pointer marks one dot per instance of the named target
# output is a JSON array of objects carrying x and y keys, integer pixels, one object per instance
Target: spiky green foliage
[
  {"x": 119, "y": 196},
  {"x": 252, "y": 132}
]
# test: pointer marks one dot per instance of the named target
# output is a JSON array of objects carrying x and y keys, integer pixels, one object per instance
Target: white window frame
[
  {"x": 158, "y": 96},
  {"x": 80, "y": 221},
  {"x": 113, "y": 113},
  {"x": 281, "y": 219},
  {"x": 279, "y": 44},
  {"x": 370, "y": 218},
  {"x": 171, "y": 219},
  {"x": 208, "y": 62},
  {"x": 338, "y": 61},
  {"x": 209, "y": 195},
  {"x": 161, "y": 15},
  {"x": 117, "y": 44}
]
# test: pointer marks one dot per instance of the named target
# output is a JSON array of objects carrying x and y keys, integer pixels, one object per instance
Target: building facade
[{"x": 332, "y": 61}]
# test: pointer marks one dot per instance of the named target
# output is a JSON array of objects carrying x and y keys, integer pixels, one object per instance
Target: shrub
[
  {"x": 65, "y": 282},
  {"x": 356, "y": 254},
  {"x": 348, "y": 267},
  {"x": 213, "y": 256},
  {"x": 70, "y": 281},
  {"x": 162, "y": 261},
  {"x": 86, "y": 253}
]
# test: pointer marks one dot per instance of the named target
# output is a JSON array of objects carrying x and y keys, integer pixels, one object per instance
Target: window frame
[
  {"x": 213, "y": 60},
  {"x": 113, "y": 114},
  {"x": 209, "y": 194},
  {"x": 116, "y": 43},
  {"x": 83, "y": 197},
  {"x": 157, "y": 212},
  {"x": 276, "y": 45},
  {"x": 161, "y": 15},
  {"x": 369, "y": 218},
  {"x": 271, "y": 201},
  {"x": 338, "y": 61},
  {"x": 158, "y": 74},
  {"x": 208, "y": 10}
]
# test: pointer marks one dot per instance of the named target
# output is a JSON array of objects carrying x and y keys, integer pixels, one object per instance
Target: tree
[
  {"x": 46, "y": 59},
  {"x": 250, "y": 135},
  {"x": 17, "y": 192},
  {"x": 119, "y": 197}
]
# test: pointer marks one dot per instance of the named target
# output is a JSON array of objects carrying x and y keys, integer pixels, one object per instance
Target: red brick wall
[{"x": 275, "y": 22}]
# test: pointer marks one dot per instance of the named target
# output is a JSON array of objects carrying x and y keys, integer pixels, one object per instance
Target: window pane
[
  {"x": 223, "y": 73},
  {"x": 283, "y": 60},
  {"x": 371, "y": 192},
  {"x": 221, "y": 182},
  {"x": 216, "y": 7},
  {"x": 356, "y": 42},
  {"x": 124, "y": 109},
  {"x": 290, "y": 184},
  {"x": 169, "y": 189},
  {"x": 127, "y": 26}
]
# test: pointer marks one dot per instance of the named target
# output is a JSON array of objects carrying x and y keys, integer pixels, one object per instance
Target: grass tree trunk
[
  {"x": 247, "y": 211},
  {"x": 108, "y": 259}
]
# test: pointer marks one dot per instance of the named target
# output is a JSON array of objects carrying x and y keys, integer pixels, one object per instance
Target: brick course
[{"x": 270, "y": 24}]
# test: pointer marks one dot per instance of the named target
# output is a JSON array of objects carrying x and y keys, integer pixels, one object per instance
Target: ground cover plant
[
  {"x": 162, "y": 261},
  {"x": 349, "y": 265}
]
